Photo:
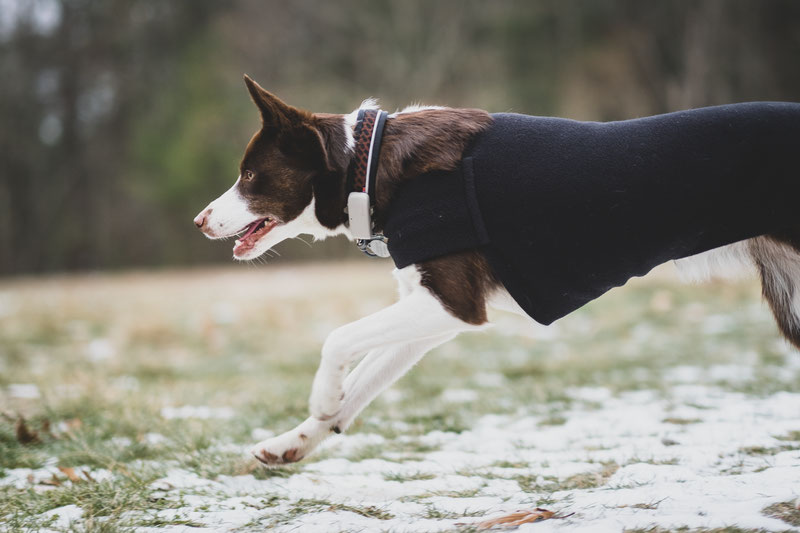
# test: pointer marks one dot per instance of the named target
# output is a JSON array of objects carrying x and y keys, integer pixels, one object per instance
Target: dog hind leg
[
  {"x": 728, "y": 262},
  {"x": 777, "y": 258}
]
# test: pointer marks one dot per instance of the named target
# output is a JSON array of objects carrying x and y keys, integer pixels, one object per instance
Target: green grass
[
  {"x": 108, "y": 352},
  {"x": 786, "y": 511},
  {"x": 309, "y": 506},
  {"x": 730, "y": 529}
]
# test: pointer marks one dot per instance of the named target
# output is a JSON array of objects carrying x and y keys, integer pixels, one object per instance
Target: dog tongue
[{"x": 251, "y": 229}]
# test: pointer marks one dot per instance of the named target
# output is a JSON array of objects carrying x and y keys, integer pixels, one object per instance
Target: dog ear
[
  {"x": 298, "y": 137},
  {"x": 274, "y": 112},
  {"x": 305, "y": 143}
]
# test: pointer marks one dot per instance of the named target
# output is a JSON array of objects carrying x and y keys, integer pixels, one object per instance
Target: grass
[
  {"x": 786, "y": 511},
  {"x": 402, "y": 478},
  {"x": 589, "y": 480},
  {"x": 309, "y": 506},
  {"x": 105, "y": 355},
  {"x": 730, "y": 529},
  {"x": 764, "y": 450}
]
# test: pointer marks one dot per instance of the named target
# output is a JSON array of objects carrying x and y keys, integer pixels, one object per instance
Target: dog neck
[{"x": 415, "y": 141}]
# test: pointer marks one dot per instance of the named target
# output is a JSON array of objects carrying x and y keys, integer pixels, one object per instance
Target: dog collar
[{"x": 361, "y": 177}]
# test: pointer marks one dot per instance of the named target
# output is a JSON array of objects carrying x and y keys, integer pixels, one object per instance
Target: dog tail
[{"x": 777, "y": 258}]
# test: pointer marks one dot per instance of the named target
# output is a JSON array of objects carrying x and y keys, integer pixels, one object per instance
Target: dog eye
[{"x": 249, "y": 175}]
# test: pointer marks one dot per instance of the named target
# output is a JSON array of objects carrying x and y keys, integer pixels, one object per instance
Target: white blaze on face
[{"x": 228, "y": 214}]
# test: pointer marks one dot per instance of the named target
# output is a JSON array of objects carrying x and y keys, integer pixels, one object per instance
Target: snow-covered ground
[
  {"x": 702, "y": 458},
  {"x": 646, "y": 412}
]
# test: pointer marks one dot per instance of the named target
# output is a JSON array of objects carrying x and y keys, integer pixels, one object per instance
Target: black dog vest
[{"x": 566, "y": 210}]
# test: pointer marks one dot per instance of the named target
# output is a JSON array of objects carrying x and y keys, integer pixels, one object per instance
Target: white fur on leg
[
  {"x": 379, "y": 369},
  {"x": 418, "y": 315},
  {"x": 394, "y": 338}
]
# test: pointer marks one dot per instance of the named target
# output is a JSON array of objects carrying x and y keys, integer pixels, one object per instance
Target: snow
[
  {"x": 26, "y": 391},
  {"x": 706, "y": 479},
  {"x": 99, "y": 350},
  {"x": 22, "y": 478},
  {"x": 64, "y": 516},
  {"x": 197, "y": 411},
  {"x": 459, "y": 395},
  {"x": 695, "y": 457}
]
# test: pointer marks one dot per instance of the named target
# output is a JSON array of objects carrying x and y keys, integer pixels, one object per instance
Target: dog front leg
[
  {"x": 376, "y": 372},
  {"x": 379, "y": 369},
  {"x": 417, "y": 316}
]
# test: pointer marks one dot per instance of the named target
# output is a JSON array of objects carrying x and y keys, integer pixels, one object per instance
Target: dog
[{"x": 417, "y": 185}]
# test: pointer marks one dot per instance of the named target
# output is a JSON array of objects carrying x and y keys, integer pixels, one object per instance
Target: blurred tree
[
  {"x": 79, "y": 82},
  {"x": 123, "y": 118}
]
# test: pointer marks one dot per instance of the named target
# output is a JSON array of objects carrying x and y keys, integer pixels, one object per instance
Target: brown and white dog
[{"x": 292, "y": 181}]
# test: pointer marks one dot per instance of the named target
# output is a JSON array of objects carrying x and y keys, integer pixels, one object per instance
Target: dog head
[{"x": 272, "y": 199}]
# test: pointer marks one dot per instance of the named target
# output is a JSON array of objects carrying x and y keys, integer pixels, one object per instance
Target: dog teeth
[{"x": 237, "y": 242}]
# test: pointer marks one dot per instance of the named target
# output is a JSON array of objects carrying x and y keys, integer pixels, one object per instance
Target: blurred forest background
[{"x": 121, "y": 119}]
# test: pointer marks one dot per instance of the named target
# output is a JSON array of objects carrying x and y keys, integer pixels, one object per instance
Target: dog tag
[{"x": 378, "y": 248}]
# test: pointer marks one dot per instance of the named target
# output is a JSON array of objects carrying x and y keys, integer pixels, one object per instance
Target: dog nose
[{"x": 200, "y": 220}]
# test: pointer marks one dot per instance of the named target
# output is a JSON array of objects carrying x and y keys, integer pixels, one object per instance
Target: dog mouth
[{"x": 252, "y": 233}]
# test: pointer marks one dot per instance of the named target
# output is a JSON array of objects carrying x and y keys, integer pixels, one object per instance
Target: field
[{"x": 128, "y": 402}]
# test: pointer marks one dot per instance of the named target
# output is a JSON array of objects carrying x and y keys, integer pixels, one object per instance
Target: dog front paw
[
  {"x": 291, "y": 446},
  {"x": 273, "y": 454}
]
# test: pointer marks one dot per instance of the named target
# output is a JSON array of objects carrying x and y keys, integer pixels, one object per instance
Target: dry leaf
[
  {"x": 53, "y": 481},
  {"x": 70, "y": 473},
  {"x": 518, "y": 518},
  {"x": 26, "y": 435},
  {"x": 46, "y": 428}
]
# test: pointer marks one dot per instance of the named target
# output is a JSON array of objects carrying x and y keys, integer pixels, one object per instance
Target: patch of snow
[
  {"x": 716, "y": 324},
  {"x": 489, "y": 379},
  {"x": 589, "y": 394},
  {"x": 639, "y": 474},
  {"x": 459, "y": 395},
  {"x": 154, "y": 439},
  {"x": 25, "y": 391},
  {"x": 129, "y": 383},
  {"x": 100, "y": 350},
  {"x": 683, "y": 374},
  {"x": 122, "y": 442},
  {"x": 23, "y": 478},
  {"x": 179, "y": 479},
  {"x": 705, "y": 477},
  {"x": 731, "y": 373},
  {"x": 65, "y": 516},
  {"x": 197, "y": 411}
]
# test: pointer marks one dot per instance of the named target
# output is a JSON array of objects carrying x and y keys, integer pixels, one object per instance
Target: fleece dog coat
[{"x": 566, "y": 210}]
